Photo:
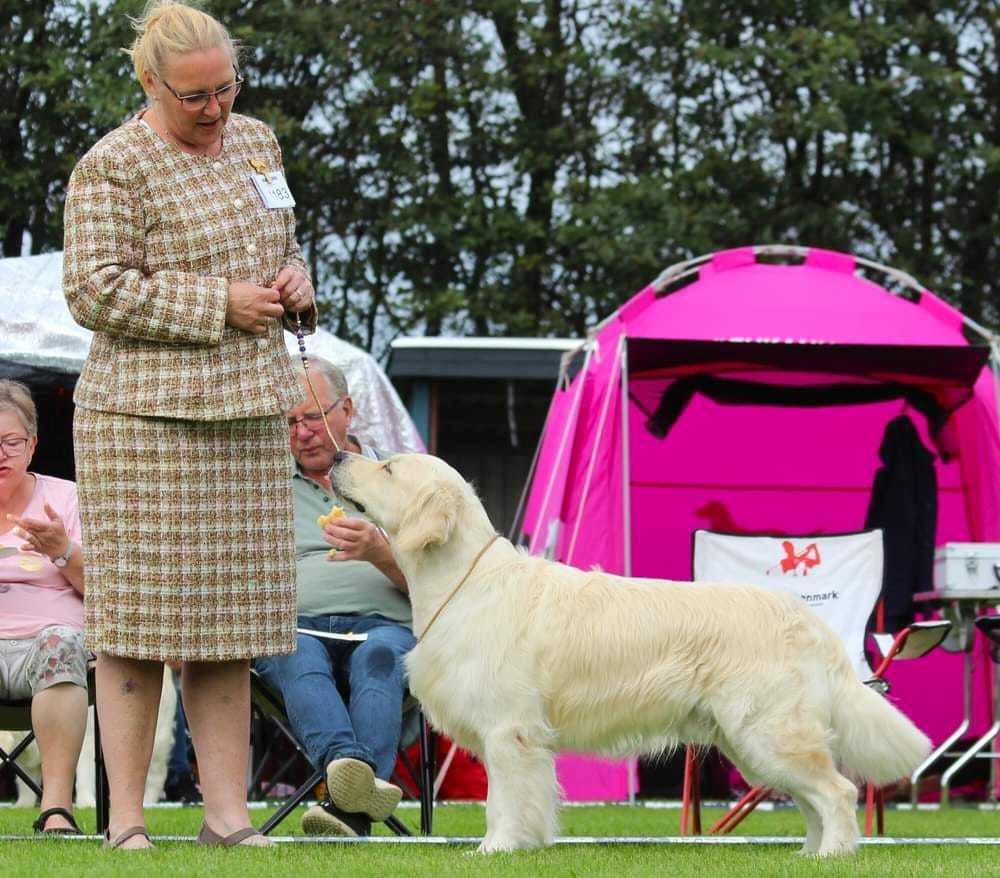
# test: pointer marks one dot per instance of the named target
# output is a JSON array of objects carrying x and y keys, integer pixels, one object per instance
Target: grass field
[{"x": 46, "y": 857}]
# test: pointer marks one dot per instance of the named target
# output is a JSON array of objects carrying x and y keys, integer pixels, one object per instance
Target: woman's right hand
[{"x": 250, "y": 307}]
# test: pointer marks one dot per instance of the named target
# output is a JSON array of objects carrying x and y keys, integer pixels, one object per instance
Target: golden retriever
[{"x": 529, "y": 657}]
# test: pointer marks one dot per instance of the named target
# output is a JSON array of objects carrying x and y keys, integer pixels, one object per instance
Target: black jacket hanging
[{"x": 904, "y": 504}]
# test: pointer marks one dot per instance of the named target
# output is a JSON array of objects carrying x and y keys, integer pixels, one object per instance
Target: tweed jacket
[{"x": 153, "y": 237}]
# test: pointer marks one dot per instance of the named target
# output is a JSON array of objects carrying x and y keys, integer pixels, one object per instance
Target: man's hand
[{"x": 357, "y": 540}]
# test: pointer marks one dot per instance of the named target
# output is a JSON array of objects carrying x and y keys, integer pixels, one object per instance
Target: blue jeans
[{"x": 368, "y": 727}]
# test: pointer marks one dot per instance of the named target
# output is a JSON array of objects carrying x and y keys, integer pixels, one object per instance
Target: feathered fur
[{"x": 531, "y": 657}]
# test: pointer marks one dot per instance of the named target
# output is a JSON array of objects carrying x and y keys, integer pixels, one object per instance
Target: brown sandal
[
  {"x": 123, "y": 837},
  {"x": 209, "y": 836},
  {"x": 39, "y": 824}
]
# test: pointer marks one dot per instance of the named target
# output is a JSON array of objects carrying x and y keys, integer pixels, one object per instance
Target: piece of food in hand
[{"x": 330, "y": 517}]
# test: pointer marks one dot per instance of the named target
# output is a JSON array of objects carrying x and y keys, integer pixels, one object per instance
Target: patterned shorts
[{"x": 31, "y": 664}]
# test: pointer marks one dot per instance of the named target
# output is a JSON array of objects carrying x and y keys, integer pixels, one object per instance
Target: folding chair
[
  {"x": 15, "y": 716},
  {"x": 268, "y": 706},
  {"x": 840, "y": 578}
]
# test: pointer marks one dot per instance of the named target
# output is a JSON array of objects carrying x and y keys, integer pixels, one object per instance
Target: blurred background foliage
[{"x": 519, "y": 167}]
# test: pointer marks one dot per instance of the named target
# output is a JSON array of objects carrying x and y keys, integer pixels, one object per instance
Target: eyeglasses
[
  {"x": 14, "y": 447},
  {"x": 196, "y": 102},
  {"x": 314, "y": 421}
]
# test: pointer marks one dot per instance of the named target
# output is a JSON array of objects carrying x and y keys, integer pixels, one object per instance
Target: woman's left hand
[
  {"x": 295, "y": 291},
  {"x": 45, "y": 537}
]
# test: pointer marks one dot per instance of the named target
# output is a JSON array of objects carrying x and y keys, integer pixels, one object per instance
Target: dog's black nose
[{"x": 339, "y": 457}]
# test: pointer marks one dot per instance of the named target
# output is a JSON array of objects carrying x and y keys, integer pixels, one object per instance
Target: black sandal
[{"x": 39, "y": 824}]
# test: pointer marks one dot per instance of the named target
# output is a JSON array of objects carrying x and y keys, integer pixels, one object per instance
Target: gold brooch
[{"x": 259, "y": 165}]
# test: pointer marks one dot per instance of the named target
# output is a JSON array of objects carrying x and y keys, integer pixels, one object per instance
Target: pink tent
[{"x": 759, "y": 382}]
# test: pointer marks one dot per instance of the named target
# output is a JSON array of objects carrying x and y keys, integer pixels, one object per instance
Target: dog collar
[{"x": 461, "y": 582}]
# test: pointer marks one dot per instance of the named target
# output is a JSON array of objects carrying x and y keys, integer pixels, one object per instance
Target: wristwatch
[{"x": 63, "y": 559}]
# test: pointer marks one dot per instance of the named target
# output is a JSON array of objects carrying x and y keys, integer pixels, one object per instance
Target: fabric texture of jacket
[{"x": 153, "y": 238}]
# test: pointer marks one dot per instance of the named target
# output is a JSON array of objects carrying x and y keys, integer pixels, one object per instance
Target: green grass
[{"x": 46, "y": 857}]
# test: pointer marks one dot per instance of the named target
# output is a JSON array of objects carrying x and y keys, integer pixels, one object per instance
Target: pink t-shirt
[{"x": 33, "y": 592}]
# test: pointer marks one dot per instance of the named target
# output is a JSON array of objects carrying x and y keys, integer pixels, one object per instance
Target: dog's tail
[{"x": 875, "y": 741}]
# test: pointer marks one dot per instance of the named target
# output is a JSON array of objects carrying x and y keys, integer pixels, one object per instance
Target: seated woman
[{"x": 42, "y": 656}]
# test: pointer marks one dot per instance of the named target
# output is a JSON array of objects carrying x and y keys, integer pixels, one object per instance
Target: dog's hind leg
[
  {"x": 795, "y": 758},
  {"x": 814, "y": 827},
  {"x": 523, "y": 793}
]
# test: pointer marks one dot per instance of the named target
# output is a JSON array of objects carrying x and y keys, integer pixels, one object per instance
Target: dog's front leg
[{"x": 523, "y": 793}]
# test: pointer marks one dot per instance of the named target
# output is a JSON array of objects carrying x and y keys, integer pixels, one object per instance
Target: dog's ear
[{"x": 430, "y": 518}]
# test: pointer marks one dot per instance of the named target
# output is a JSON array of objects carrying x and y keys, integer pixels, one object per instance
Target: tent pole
[
  {"x": 595, "y": 450},
  {"x": 632, "y": 764},
  {"x": 570, "y": 422},
  {"x": 522, "y": 501},
  {"x": 995, "y": 364},
  {"x": 626, "y": 488}
]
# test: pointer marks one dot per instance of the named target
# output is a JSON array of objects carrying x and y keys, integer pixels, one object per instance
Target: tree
[
  {"x": 63, "y": 84},
  {"x": 521, "y": 166}
]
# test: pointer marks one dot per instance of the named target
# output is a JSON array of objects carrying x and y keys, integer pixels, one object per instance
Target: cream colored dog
[{"x": 529, "y": 657}]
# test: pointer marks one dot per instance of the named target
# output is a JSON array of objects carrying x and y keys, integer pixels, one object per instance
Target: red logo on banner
[{"x": 797, "y": 563}]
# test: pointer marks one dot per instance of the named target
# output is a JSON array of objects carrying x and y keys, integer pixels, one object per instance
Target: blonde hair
[
  {"x": 168, "y": 28},
  {"x": 15, "y": 397}
]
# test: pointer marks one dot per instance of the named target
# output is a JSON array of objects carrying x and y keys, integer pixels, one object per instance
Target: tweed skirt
[{"x": 188, "y": 537}]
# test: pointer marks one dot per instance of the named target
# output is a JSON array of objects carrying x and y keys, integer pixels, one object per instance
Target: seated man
[{"x": 357, "y": 589}]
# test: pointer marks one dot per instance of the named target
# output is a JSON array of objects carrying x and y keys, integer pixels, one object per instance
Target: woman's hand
[
  {"x": 251, "y": 307},
  {"x": 45, "y": 537},
  {"x": 294, "y": 289}
]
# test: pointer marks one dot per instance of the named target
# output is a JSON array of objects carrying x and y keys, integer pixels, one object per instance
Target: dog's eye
[{"x": 387, "y": 468}]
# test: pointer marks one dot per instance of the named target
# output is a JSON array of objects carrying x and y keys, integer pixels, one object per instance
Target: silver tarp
[{"x": 36, "y": 329}]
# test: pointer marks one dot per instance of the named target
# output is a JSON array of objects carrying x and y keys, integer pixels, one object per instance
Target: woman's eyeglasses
[
  {"x": 13, "y": 447},
  {"x": 196, "y": 102}
]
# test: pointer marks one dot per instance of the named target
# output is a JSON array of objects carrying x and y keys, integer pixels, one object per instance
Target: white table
[{"x": 967, "y": 605}]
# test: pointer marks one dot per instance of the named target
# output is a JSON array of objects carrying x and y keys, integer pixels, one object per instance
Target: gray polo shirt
[{"x": 337, "y": 588}]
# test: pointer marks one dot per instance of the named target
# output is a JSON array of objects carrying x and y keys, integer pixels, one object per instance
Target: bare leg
[
  {"x": 128, "y": 699},
  {"x": 217, "y": 703},
  {"x": 59, "y": 718}
]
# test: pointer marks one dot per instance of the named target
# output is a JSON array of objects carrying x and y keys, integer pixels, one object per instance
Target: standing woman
[{"x": 181, "y": 256}]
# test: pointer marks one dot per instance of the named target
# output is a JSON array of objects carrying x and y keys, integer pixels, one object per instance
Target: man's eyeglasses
[
  {"x": 314, "y": 421},
  {"x": 197, "y": 102},
  {"x": 14, "y": 447}
]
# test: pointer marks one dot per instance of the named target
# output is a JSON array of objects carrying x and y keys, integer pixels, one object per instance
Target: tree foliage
[{"x": 521, "y": 166}]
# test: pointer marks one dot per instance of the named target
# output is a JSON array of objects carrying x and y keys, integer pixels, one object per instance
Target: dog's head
[{"x": 415, "y": 498}]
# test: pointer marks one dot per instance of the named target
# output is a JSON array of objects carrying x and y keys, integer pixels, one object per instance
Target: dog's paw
[
  {"x": 842, "y": 849},
  {"x": 500, "y": 844}
]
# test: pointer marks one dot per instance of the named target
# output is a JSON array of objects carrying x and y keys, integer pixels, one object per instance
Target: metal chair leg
[
  {"x": 428, "y": 742},
  {"x": 101, "y": 792},
  {"x": 691, "y": 796},
  {"x": 293, "y": 801},
  {"x": 740, "y": 811},
  {"x": 11, "y": 760}
]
